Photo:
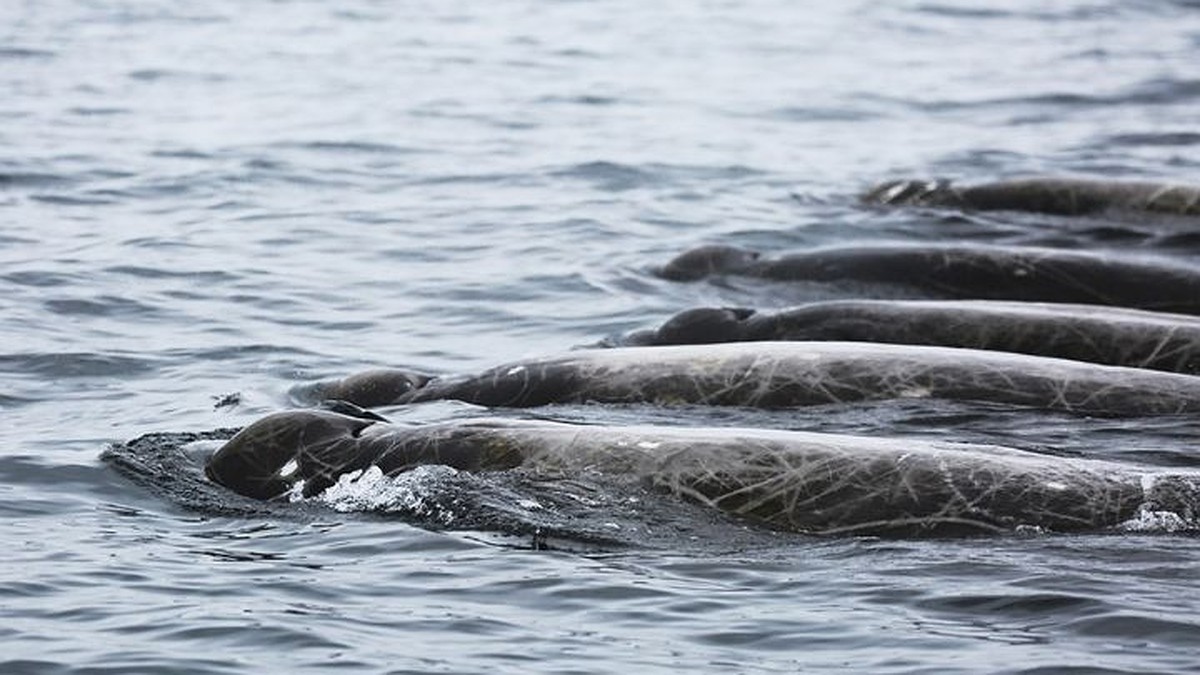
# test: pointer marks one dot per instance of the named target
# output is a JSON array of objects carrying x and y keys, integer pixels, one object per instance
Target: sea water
[{"x": 203, "y": 204}]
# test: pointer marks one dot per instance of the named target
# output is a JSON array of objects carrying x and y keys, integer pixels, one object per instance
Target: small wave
[
  {"x": 1163, "y": 91},
  {"x": 355, "y": 147},
  {"x": 75, "y": 364},
  {"x": 181, "y": 153},
  {"x": 822, "y": 114},
  {"x": 591, "y": 100},
  {"x": 1164, "y": 139},
  {"x": 208, "y": 276},
  {"x": 27, "y": 470},
  {"x": 26, "y": 53},
  {"x": 963, "y": 12},
  {"x": 71, "y": 200},
  {"x": 1129, "y": 627},
  {"x": 9, "y": 180},
  {"x": 98, "y": 111},
  {"x": 157, "y": 74},
  {"x": 618, "y": 177},
  {"x": 609, "y": 176},
  {"x": 104, "y": 305},
  {"x": 40, "y": 278},
  {"x": 1014, "y": 605}
]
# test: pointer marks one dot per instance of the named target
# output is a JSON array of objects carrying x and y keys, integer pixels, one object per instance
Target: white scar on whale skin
[{"x": 289, "y": 469}]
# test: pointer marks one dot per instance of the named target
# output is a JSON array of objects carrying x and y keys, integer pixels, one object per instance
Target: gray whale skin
[
  {"x": 786, "y": 480},
  {"x": 1057, "y": 196},
  {"x": 1097, "y": 334},
  {"x": 774, "y": 375}
]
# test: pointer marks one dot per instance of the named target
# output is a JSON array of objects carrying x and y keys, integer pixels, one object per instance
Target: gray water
[{"x": 223, "y": 199}]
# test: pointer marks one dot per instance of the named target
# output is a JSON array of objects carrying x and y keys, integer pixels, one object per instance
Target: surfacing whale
[
  {"x": 1056, "y": 196},
  {"x": 1097, "y": 334},
  {"x": 783, "y": 375},
  {"x": 788, "y": 480},
  {"x": 968, "y": 272}
]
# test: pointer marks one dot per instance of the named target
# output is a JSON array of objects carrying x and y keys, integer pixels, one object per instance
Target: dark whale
[
  {"x": 1056, "y": 196},
  {"x": 969, "y": 272},
  {"x": 1098, "y": 334},
  {"x": 782, "y": 375},
  {"x": 795, "y": 481}
]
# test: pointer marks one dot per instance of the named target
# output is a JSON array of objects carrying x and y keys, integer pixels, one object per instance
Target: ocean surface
[{"x": 203, "y": 204}]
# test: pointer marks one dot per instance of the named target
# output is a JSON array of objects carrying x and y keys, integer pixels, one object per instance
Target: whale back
[
  {"x": 786, "y": 480},
  {"x": 1055, "y": 196},
  {"x": 1093, "y": 333},
  {"x": 774, "y": 375}
]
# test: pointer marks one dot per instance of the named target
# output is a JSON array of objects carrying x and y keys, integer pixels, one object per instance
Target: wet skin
[
  {"x": 1056, "y": 196},
  {"x": 789, "y": 374},
  {"x": 795, "y": 481},
  {"x": 956, "y": 271},
  {"x": 1097, "y": 334}
]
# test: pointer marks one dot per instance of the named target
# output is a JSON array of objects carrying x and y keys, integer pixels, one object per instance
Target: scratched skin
[
  {"x": 787, "y": 374},
  {"x": 1056, "y": 196},
  {"x": 978, "y": 272},
  {"x": 794, "y": 481},
  {"x": 1113, "y": 336}
]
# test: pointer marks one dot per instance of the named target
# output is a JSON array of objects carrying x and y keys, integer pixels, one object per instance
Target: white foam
[
  {"x": 1148, "y": 480},
  {"x": 1156, "y": 521},
  {"x": 371, "y": 490}
]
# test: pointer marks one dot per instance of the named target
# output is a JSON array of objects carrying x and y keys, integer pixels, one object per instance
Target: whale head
[
  {"x": 369, "y": 389},
  {"x": 707, "y": 260},
  {"x": 266, "y": 459},
  {"x": 704, "y": 325}
]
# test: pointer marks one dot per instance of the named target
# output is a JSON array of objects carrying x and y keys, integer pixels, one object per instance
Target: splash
[
  {"x": 1147, "y": 520},
  {"x": 418, "y": 493}
]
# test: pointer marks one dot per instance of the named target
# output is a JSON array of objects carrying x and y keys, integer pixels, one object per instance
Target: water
[{"x": 206, "y": 199}]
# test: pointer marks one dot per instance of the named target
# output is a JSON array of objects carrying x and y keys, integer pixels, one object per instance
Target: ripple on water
[
  {"x": 19, "y": 53},
  {"x": 76, "y": 364},
  {"x": 41, "y": 278},
  {"x": 22, "y": 180},
  {"x": 195, "y": 204},
  {"x": 102, "y": 306}
]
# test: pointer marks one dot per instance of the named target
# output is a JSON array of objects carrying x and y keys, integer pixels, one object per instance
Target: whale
[
  {"x": 786, "y": 480},
  {"x": 1093, "y": 333},
  {"x": 1055, "y": 196},
  {"x": 957, "y": 271},
  {"x": 774, "y": 375}
]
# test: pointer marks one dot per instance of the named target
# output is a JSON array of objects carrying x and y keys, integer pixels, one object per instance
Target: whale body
[
  {"x": 787, "y": 480},
  {"x": 1093, "y": 333},
  {"x": 956, "y": 271},
  {"x": 1057, "y": 196},
  {"x": 783, "y": 375}
]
